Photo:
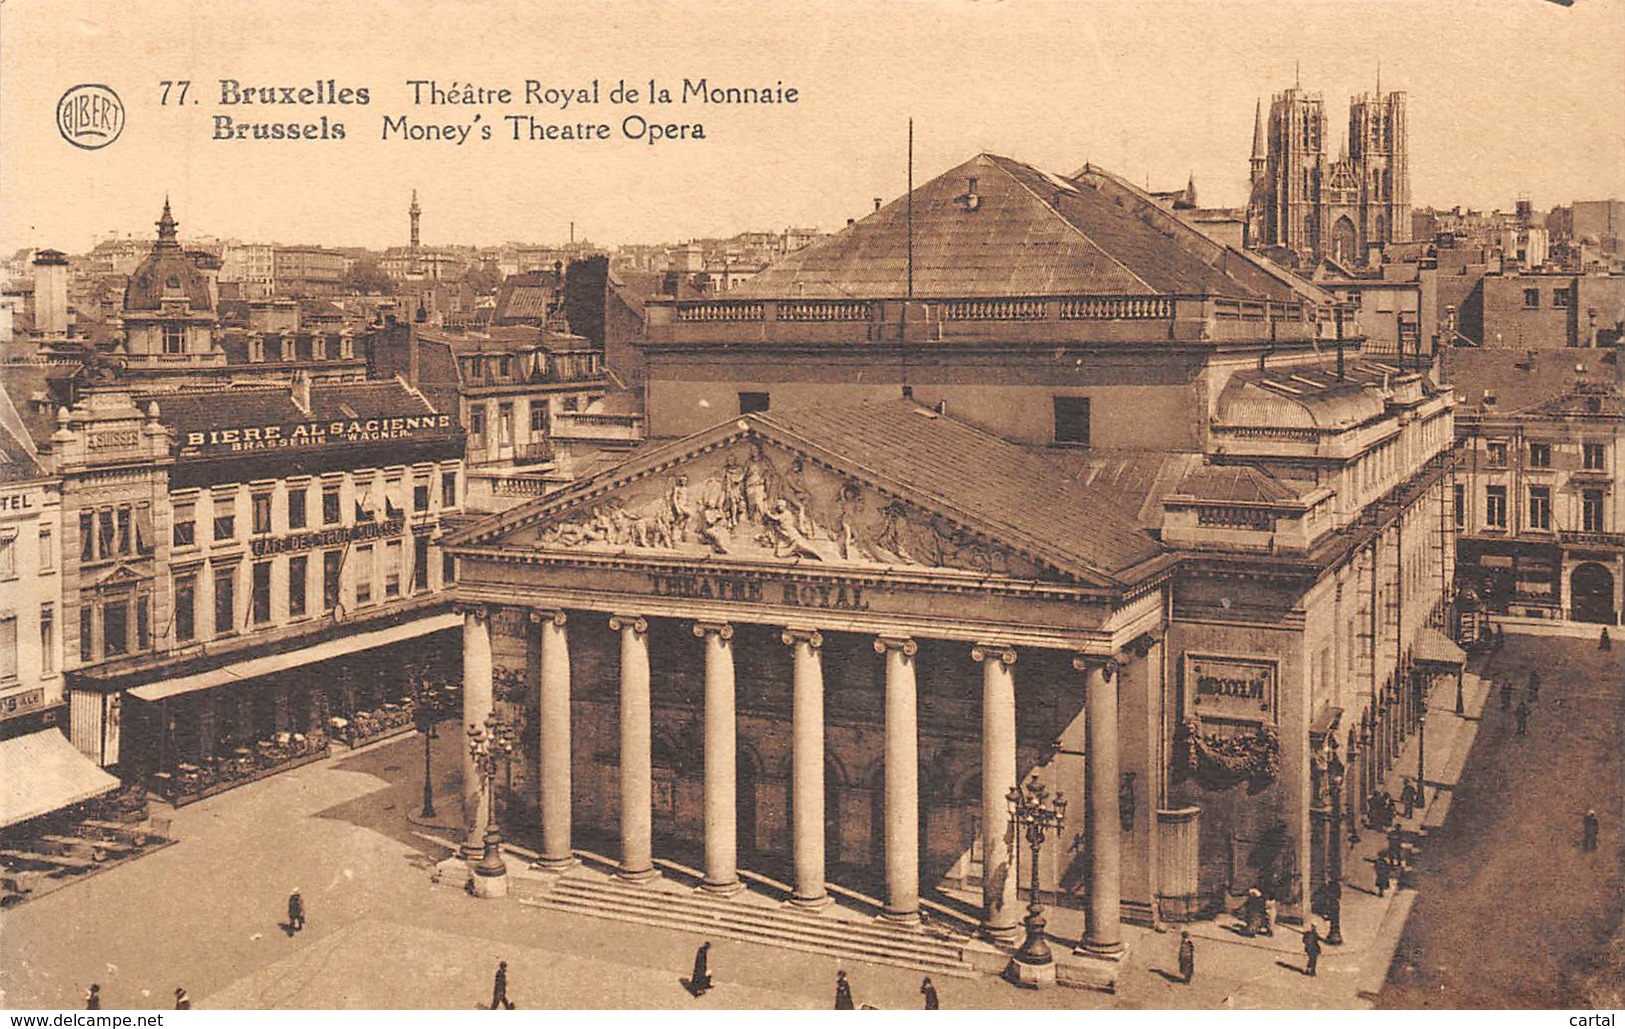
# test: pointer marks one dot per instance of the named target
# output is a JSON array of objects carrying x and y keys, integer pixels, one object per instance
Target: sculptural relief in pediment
[{"x": 757, "y": 501}]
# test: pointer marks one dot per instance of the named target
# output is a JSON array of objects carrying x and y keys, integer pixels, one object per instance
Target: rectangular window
[
  {"x": 1072, "y": 420},
  {"x": 1540, "y": 455},
  {"x": 538, "y": 418},
  {"x": 1531, "y": 298},
  {"x": 366, "y": 505},
  {"x": 1593, "y": 454},
  {"x": 116, "y": 627},
  {"x": 8, "y": 555},
  {"x": 87, "y": 537},
  {"x": 185, "y": 534},
  {"x": 174, "y": 339},
  {"x": 448, "y": 489},
  {"x": 8, "y": 648},
  {"x": 297, "y": 495},
  {"x": 261, "y": 595},
  {"x": 330, "y": 505},
  {"x": 420, "y": 563},
  {"x": 1495, "y": 506},
  {"x": 1562, "y": 297},
  {"x": 225, "y": 601},
  {"x": 750, "y": 403},
  {"x": 122, "y": 530},
  {"x": 1540, "y": 507},
  {"x": 332, "y": 561},
  {"x": 420, "y": 495},
  {"x": 185, "y": 608},
  {"x": 1591, "y": 510},
  {"x": 143, "y": 621},
  {"x": 298, "y": 572},
  {"x": 505, "y": 424},
  {"x": 87, "y": 641},
  {"x": 1461, "y": 505},
  {"x": 392, "y": 568},
  {"x": 448, "y": 569},
  {"x": 476, "y": 423},
  {"x": 47, "y": 549},
  {"x": 262, "y": 513},
  {"x": 1496, "y": 454},
  {"x": 362, "y": 564},
  {"x": 225, "y": 518},
  {"x": 105, "y": 535},
  {"x": 47, "y": 639},
  {"x": 393, "y": 499}
]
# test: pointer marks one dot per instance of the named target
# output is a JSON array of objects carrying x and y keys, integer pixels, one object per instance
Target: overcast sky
[{"x": 1505, "y": 97}]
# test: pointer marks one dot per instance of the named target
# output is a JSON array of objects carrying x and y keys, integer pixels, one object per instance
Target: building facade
[
  {"x": 31, "y": 694},
  {"x": 1124, "y": 517}
]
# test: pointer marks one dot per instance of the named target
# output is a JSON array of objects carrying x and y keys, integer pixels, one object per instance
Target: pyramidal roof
[{"x": 994, "y": 227}]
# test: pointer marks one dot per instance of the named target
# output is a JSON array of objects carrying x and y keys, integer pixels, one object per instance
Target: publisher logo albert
[{"x": 90, "y": 116}]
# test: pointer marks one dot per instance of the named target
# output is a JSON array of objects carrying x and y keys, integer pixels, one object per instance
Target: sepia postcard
[{"x": 718, "y": 507}]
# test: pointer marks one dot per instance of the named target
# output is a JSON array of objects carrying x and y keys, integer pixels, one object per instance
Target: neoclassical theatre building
[{"x": 1018, "y": 476}]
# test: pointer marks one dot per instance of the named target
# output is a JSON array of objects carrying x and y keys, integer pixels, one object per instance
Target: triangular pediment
[
  {"x": 738, "y": 494},
  {"x": 121, "y": 575}
]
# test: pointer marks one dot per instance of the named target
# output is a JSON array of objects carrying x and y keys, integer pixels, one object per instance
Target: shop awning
[
  {"x": 1434, "y": 647},
  {"x": 42, "y": 772},
  {"x": 258, "y": 666}
]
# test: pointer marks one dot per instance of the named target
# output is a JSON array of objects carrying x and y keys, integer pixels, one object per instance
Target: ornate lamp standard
[
  {"x": 1421, "y": 745},
  {"x": 1353, "y": 802},
  {"x": 1334, "y": 881},
  {"x": 1032, "y": 807},
  {"x": 489, "y": 746},
  {"x": 428, "y": 707}
]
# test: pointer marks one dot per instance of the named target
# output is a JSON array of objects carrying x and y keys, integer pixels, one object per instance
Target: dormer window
[
  {"x": 318, "y": 346},
  {"x": 174, "y": 339}
]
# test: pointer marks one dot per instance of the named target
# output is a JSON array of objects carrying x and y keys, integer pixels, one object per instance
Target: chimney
[
  {"x": 301, "y": 391},
  {"x": 51, "y": 293}
]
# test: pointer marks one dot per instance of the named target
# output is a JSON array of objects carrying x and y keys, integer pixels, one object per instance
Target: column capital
[
  {"x": 637, "y": 623},
  {"x": 538, "y": 615},
  {"x": 481, "y": 612},
  {"x": 1141, "y": 645},
  {"x": 794, "y": 634},
  {"x": 1108, "y": 666},
  {"x": 723, "y": 630},
  {"x": 903, "y": 643},
  {"x": 993, "y": 652}
]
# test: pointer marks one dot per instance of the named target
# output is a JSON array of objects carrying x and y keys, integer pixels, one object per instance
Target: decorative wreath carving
[{"x": 1218, "y": 762}]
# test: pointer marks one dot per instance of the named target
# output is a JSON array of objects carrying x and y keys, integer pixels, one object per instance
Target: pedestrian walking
[
  {"x": 296, "y": 912},
  {"x": 1311, "y": 949},
  {"x": 843, "y": 993},
  {"x": 1522, "y": 715},
  {"x": 1500, "y": 637},
  {"x": 1384, "y": 875},
  {"x": 1506, "y": 694},
  {"x": 499, "y": 989},
  {"x": 183, "y": 1001},
  {"x": 700, "y": 979},
  {"x": 929, "y": 992},
  {"x": 1187, "y": 957},
  {"x": 1534, "y": 685},
  {"x": 1407, "y": 797},
  {"x": 1588, "y": 833},
  {"x": 1604, "y": 643},
  {"x": 93, "y": 999}
]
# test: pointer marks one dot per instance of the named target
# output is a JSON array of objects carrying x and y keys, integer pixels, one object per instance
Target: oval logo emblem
[{"x": 90, "y": 116}]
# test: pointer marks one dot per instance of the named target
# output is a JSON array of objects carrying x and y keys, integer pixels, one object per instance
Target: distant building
[
  {"x": 1309, "y": 206},
  {"x": 31, "y": 690},
  {"x": 302, "y": 271}
]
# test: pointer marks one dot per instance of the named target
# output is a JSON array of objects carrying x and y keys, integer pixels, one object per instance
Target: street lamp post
[
  {"x": 426, "y": 703},
  {"x": 1040, "y": 815},
  {"x": 1421, "y": 748},
  {"x": 1353, "y": 806},
  {"x": 488, "y": 745},
  {"x": 1334, "y": 884}
]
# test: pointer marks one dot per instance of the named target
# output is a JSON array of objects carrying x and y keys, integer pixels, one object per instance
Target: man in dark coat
[
  {"x": 1384, "y": 875},
  {"x": 1604, "y": 643},
  {"x": 1407, "y": 797},
  {"x": 1534, "y": 685},
  {"x": 843, "y": 993},
  {"x": 296, "y": 912},
  {"x": 1522, "y": 715},
  {"x": 929, "y": 992},
  {"x": 700, "y": 980},
  {"x": 1187, "y": 957},
  {"x": 1589, "y": 827},
  {"x": 93, "y": 999},
  {"x": 1506, "y": 695},
  {"x": 499, "y": 989},
  {"x": 1311, "y": 949},
  {"x": 183, "y": 1001}
]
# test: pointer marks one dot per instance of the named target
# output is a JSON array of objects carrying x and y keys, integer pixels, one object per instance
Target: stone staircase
[{"x": 750, "y": 917}]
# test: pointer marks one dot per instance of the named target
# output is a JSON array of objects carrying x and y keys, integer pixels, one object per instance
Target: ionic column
[
  {"x": 902, "y": 779},
  {"x": 807, "y": 766},
  {"x": 721, "y": 825},
  {"x": 999, "y": 901},
  {"x": 637, "y": 772},
  {"x": 554, "y": 716},
  {"x": 1103, "y": 938},
  {"x": 477, "y": 703}
]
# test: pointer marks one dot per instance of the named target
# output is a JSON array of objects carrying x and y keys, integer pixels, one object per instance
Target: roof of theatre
[
  {"x": 1010, "y": 494},
  {"x": 997, "y": 227}
]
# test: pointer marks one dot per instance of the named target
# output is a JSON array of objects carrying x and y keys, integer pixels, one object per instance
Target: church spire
[{"x": 1259, "y": 151}]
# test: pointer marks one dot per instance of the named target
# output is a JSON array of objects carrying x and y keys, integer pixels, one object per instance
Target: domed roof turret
[{"x": 167, "y": 273}]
